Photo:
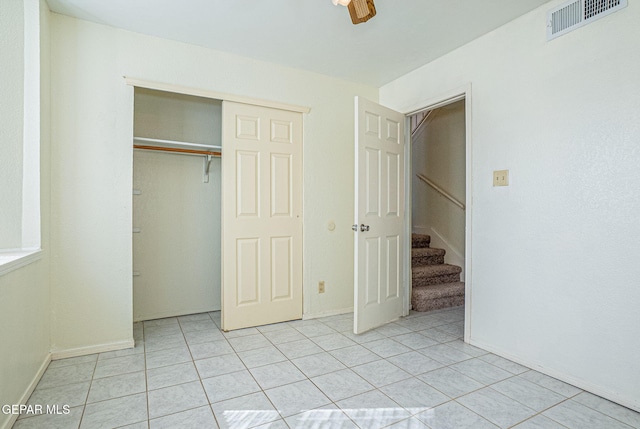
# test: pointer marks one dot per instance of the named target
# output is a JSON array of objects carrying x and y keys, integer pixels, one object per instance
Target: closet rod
[{"x": 178, "y": 150}]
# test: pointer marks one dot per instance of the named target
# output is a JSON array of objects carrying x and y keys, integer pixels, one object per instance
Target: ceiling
[{"x": 312, "y": 35}]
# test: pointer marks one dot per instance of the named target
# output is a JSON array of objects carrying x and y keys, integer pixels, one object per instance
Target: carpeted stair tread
[
  {"x": 441, "y": 290},
  {"x": 434, "y": 274},
  {"x": 435, "y": 270},
  {"x": 426, "y": 256},
  {"x": 433, "y": 297},
  {"x": 420, "y": 240}
]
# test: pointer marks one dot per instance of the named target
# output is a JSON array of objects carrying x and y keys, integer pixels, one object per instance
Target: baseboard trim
[
  {"x": 448, "y": 246},
  {"x": 30, "y": 388},
  {"x": 308, "y": 316},
  {"x": 631, "y": 403},
  {"x": 89, "y": 350}
]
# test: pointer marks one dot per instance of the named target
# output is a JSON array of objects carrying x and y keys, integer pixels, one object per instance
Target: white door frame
[{"x": 448, "y": 97}]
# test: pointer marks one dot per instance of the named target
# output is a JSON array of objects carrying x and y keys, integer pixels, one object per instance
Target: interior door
[
  {"x": 379, "y": 215},
  {"x": 262, "y": 215}
]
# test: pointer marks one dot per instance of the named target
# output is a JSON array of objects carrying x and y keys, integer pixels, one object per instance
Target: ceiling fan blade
[{"x": 361, "y": 10}]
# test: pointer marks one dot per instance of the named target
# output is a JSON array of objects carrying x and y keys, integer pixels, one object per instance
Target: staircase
[{"x": 435, "y": 284}]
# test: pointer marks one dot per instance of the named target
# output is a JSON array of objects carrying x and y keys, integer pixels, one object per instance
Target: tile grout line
[
  {"x": 215, "y": 419},
  {"x": 86, "y": 399},
  {"x": 146, "y": 380}
]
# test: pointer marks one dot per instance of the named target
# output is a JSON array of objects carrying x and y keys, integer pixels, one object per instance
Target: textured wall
[
  {"x": 554, "y": 255},
  {"x": 92, "y": 168},
  {"x": 11, "y": 122},
  {"x": 25, "y": 305}
]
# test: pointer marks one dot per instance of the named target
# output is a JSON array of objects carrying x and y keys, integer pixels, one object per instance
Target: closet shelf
[{"x": 174, "y": 142}]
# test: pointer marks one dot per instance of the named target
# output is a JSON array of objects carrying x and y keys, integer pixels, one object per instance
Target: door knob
[{"x": 364, "y": 227}]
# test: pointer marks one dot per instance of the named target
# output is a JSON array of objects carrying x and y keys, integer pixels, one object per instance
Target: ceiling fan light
[{"x": 341, "y": 2}]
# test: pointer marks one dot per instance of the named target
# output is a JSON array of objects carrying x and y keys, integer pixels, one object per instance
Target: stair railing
[
  {"x": 418, "y": 120},
  {"x": 440, "y": 190}
]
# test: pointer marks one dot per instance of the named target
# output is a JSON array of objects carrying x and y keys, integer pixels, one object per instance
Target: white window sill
[{"x": 13, "y": 259}]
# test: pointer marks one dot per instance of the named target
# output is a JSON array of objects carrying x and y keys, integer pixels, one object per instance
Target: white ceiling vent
[{"x": 575, "y": 14}]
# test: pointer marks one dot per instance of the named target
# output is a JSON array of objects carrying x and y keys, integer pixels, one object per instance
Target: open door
[
  {"x": 261, "y": 216},
  {"x": 379, "y": 215}
]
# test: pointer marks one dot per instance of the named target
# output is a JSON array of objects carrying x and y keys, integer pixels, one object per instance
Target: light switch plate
[{"x": 501, "y": 178}]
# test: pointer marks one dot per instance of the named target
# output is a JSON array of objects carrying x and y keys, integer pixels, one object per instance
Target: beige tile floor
[{"x": 415, "y": 373}]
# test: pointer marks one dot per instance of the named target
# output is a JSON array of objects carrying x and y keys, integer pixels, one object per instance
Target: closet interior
[{"x": 176, "y": 204}]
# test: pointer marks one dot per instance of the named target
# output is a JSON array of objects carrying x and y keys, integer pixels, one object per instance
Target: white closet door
[
  {"x": 176, "y": 253},
  {"x": 262, "y": 215}
]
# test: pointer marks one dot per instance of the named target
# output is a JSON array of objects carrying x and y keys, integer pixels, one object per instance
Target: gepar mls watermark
[{"x": 35, "y": 409}]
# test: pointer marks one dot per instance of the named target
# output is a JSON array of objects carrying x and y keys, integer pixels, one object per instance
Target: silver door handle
[{"x": 364, "y": 227}]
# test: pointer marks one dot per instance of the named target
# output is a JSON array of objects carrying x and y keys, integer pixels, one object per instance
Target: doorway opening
[
  {"x": 176, "y": 204},
  {"x": 438, "y": 213}
]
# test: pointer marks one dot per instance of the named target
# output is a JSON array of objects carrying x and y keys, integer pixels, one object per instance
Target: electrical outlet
[
  {"x": 321, "y": 286},
  {"x": 501, "y": 178}
]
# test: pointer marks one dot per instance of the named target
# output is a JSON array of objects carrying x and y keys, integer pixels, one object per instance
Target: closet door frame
[
  {"x": 185, "y": 90},
  {"x": 224, "y": 97}
]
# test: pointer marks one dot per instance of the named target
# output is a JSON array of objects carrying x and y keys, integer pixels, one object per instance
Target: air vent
[{"x": 577, "y": 13}]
